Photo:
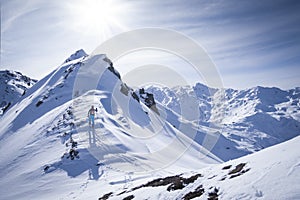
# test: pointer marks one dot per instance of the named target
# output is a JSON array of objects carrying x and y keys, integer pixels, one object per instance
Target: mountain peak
[{"x": 78, "y": 54}]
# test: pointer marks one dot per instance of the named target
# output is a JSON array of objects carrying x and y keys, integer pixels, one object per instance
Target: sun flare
[{"x": 95, "y": 17}]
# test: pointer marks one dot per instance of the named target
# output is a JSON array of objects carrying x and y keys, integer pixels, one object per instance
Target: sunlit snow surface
[{"x": 131, "y": 145}]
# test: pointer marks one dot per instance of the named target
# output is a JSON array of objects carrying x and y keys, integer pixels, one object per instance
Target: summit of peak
[{"x": 78, "y": 54}]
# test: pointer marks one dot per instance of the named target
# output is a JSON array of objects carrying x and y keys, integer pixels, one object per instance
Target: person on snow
[{"x": 91, "y": 116}]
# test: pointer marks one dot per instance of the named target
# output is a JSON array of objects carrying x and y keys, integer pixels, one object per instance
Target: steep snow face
[
  {"x": 46, "y": 138},
  {"x": 47, "y": 94},
  {"x": 248, "y": 120},
  {"x": 13, "y": 85},
  {"x": 273, "y": 173}
]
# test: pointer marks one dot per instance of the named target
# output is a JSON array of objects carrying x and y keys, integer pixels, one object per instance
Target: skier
[{"x": 91, "y": 116}]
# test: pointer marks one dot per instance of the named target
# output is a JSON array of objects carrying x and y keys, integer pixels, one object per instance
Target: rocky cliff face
[{"x": 13, "y": 85}]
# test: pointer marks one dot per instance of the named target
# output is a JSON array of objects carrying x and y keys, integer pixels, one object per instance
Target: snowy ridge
[
  {"x": 129, "y": 140},
  {"x": 78, "y": 54}
]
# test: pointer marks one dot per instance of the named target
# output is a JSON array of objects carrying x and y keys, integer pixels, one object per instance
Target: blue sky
[{"x": 251, "y": 42}]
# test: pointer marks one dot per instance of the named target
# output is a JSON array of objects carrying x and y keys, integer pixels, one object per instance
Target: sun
[{"x": 98, "y": 17}]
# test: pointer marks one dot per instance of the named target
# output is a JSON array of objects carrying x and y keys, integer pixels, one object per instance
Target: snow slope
[
  {"x": 272, "y": 173},
  {"x": 13, "y": 85}
]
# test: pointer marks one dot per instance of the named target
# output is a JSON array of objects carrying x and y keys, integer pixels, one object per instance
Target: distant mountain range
[{"x": 249, "y": 120}]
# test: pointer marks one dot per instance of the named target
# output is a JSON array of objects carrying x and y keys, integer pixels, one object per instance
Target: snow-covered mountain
[
  {"x": 249, "y": 120},
  {"x": 38, "y": 135},
  {"x": 13, "y": 85},
  {"x": 50, "y": 152}
]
